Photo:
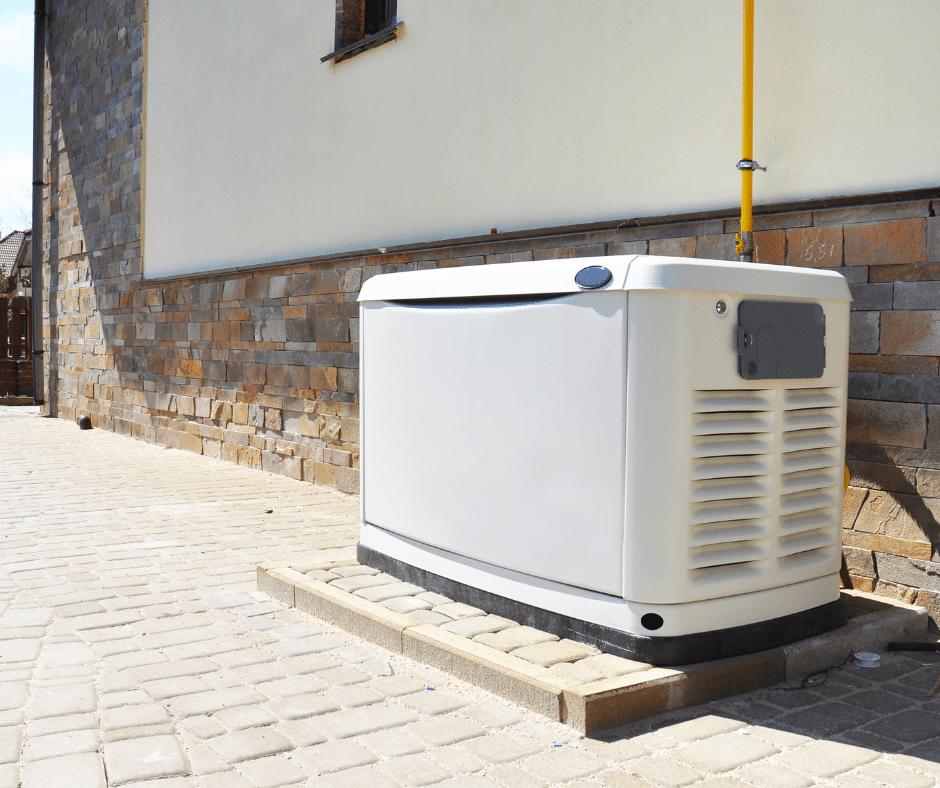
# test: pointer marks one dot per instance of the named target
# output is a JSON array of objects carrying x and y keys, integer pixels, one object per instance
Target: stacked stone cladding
[{"x": 261, "y": 367}]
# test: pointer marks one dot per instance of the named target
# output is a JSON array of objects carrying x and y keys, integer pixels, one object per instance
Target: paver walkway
[{"x": 135, "y": 651}]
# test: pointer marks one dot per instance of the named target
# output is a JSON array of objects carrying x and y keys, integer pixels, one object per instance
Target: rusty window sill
[{"x": 369, "y": 42}]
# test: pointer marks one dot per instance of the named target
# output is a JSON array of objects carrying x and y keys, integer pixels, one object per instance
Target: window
[{"x": 362, "y": 25}]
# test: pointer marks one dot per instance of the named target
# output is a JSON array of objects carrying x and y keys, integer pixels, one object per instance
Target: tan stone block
[
  {"x": 913, "y": 272},
  {"x": 931, "y": 601},
  {"x": 212, "y": 448},
  {"x": 221, "y": 411},
  {"x": 851, "y": 504},
  {"x": 609, "y": 702},
  {"x": 293, "y": 468},
  {"x": 814, "y": 247},
  {"x": 887, "y": 544},
  {"x": 910, "y": 333},
  {"x": 714, "y": 247},
  {"x": 903, "y": 365},
  {"x": 249, "y": 456},
  {"x": 185, "y": 441},
  {"x": 859, "y": 583},
  {"x": 723, "y": 678},
  {"x": 309, "y": 467},
  {"x": 625, "y": 248},
  {"x": 673, "y": 247},
  {"x": 887, "y": 476},
  {"x": 272, "y": 419},
  {"x": 369, "y": 620},
  {"x": 221, "y": 331},
  {"x": 330, "y": 429},
  {"x": 893, "y": 515},
  {"x": 230, "y": 452},
  {"x": 278, "y": 375},
  {"x": 770, "y": 247},
  {"x": 240, "y": 412},
  {"x": 886, "y": 243},
  {"x": 928, "y": 482},
  {"x": 532, "y": 686},
  {"x": 278, "y": 582},
  {"x": 887, "y": 423},
  {"x": 324, "y": 474},
  {"x": 310, "y": 425},
  {"x": 347, "y": 480},
  {"x": 904, "y": 594},
  {"x": 323, "y": 378},
  {"x": 349, "y": 430},
  {"x": 551, "y": 253}
]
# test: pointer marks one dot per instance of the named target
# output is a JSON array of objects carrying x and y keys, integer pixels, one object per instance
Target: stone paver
[
  {"x": 135, "y": 650},
  {"x": 66, "y": 771},
  {"x": 554, "y": 651},
  {"x": 144, "y": 759},
  {"x": 245, "y": 745}
]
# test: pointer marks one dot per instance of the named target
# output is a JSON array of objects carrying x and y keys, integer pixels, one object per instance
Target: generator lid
[{"x": 627, "y": 272}]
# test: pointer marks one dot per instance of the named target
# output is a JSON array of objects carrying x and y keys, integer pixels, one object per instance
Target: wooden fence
[{"x": 16, "y": 358}]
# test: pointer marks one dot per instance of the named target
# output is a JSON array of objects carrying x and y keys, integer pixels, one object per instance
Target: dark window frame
[{"x": 362, "y": 25}]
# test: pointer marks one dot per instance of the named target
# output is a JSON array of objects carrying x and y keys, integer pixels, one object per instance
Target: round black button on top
[{"x": 592, "y": 277}]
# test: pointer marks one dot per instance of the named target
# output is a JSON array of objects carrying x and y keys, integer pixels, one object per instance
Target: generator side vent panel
[
  {"x": 730, "y": 495},
  {"x": 811, "y": 482}
]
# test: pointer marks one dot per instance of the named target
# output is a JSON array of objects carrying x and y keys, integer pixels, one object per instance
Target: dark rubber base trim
[{"x": 676, "y": 650}]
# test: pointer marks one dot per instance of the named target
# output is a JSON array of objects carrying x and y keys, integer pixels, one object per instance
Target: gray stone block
[
  {"x": 865, "y": 330},
  {"x": 867, "y": 297},
  {"x": 908, "y": 388},
  {"x": 916, "y": 295},
  {"x": 933, "y": 239},
  {"x": 911, "y": 572},
  {"x": 858, "y": 562},
  {"x": 863, "y": 385}
]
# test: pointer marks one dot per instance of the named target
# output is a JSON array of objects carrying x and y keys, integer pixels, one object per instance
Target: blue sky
[{"x": 16, "y": 113}]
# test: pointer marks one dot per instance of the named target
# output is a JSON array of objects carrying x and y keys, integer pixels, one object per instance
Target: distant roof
[
  {"x": 9, "y": 248},
  {"x": 23, "y": 259}
]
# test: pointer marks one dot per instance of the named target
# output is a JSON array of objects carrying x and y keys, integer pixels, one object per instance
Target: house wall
[
  {"x": 260, "y": 366},
  {"x": 514, "y": 114}
]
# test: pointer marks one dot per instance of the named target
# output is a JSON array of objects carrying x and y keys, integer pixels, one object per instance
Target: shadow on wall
[
  {"x": 890, "y": 523},
  {"x": 92, "y": 209}
]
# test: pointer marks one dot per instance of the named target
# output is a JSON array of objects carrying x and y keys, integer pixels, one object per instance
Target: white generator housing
[{"x": 637, "y": 456}]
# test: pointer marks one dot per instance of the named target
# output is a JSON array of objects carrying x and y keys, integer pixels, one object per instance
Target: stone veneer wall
[{"x": 260, "y": 368}]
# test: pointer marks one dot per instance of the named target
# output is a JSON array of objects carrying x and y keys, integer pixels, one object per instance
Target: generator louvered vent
[
  {"x": 811, "y": 476},
  {"x": 751, "y": 450},
  {"x": 731, "y": 483}
]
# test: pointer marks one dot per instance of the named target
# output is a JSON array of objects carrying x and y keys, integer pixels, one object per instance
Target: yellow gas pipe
[
  {"x": 744, "y": 246},
  {"x": 745, "y": 239}
]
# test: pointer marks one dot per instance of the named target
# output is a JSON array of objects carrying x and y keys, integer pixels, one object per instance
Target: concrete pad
[{"x": 633, "y": 691}]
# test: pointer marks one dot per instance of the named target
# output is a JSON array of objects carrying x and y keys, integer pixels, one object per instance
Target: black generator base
[{"x": 675, "y": 650}]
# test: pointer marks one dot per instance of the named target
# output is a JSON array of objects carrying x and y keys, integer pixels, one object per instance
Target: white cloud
[{"x": 16, "y": 43}]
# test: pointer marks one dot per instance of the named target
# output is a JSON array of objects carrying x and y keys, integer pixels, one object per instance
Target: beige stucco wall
[{"x": 513, "y": 114}]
